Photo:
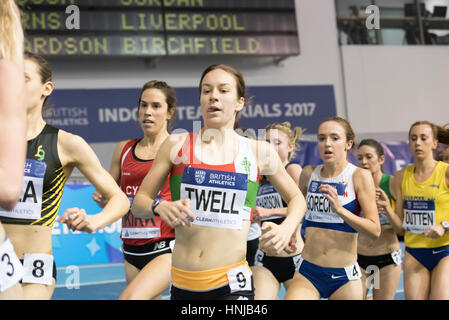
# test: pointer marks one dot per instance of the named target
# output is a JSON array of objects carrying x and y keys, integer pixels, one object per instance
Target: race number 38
[{"x": 239, "y": 279}]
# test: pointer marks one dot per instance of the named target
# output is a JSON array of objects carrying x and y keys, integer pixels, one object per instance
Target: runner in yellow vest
[{"x": 423, "y": 212}]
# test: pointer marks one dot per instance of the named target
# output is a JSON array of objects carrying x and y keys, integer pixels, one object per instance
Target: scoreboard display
[{"x": 151, "y": 28}]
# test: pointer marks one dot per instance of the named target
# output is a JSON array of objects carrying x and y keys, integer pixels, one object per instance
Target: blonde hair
[
  {"x": 293, "y": 135},
  {"x": 11, "y": 35}
]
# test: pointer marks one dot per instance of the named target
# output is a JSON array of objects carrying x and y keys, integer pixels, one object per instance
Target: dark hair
[
  {"x": 440, "y": 133},
  {"x": 44, "y": 70},
  {"x": 241, "y": 87},
  {"x": 375, "y": 145},
  {"x": 350, "y": 135},
  {"x": 170, "y": 97}
]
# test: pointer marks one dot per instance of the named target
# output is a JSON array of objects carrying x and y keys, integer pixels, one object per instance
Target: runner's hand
[
  {"x": 434, "y": 232},
  {"x": 77, "y": 220},
  {"x": 176, "y": 213},
  {"x": 274, "y": 238},
  {"x": 330, "y": 193},
  {"x": 99, "y": 199}
]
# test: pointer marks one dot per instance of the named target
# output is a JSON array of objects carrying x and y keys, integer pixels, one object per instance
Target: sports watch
[
  {"x": 445, "y": 225},
  {"x": 156, "y": 202}
]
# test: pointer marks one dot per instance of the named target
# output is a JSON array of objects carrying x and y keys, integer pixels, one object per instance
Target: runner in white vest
[{"x": 336, "y": 191}]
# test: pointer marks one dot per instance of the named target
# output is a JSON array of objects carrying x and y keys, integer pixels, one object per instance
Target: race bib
[
  {"x": 30, "y": 203},
  {"x": 419, "y": 215},
  {"x": 217, "y": 198},
  {"x": 259, "y": 257},
  {"x": 239, "y": 278},
  {"x": 11, "y": 270},
  {"x": 268, "y": 198},
  {"x": 297, "y": 261},
  {"x": 397, "y": 257},
  {"x": 318, "y": 207},
  {"x": 38, "y": 268},
  {"x": 353, "y": 272}
]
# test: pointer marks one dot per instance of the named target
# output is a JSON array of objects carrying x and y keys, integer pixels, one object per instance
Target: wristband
[
  {"x": 156, "y": 202},
  {"x": 445, "y": 225}
]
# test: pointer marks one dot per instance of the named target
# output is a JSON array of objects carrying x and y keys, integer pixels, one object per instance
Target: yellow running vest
[{"x": 425, "y": 204}]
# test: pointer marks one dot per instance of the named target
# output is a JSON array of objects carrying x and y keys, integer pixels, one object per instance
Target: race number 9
[{"x": 239, "y": 279}]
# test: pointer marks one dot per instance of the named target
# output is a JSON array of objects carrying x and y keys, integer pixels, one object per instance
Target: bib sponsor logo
[
  {"x": 314, "y": 186},
  {"x": 200, "y": 175}
]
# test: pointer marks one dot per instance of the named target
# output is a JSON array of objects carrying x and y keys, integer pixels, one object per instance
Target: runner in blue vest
[{"x": 336, "y": 192}]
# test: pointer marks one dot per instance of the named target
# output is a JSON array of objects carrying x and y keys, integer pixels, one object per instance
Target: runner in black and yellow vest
[
  {"x": 51, "y": 157},
  {"x": 214, "y": 177},
  {"x": 423, "y": 213}
]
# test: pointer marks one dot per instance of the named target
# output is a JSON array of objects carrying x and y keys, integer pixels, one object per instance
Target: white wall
[{"x": 390, "y": 87}]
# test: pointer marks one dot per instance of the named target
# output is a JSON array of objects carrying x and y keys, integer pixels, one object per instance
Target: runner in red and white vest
[{"x": 214, "y": 175}]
